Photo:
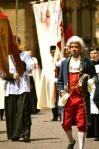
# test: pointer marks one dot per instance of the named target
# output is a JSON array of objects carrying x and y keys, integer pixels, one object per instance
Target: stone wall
[{"x": 23, "y": 24}]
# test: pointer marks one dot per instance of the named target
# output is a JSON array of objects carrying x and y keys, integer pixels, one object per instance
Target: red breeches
[{"x": 74, "y": 109}]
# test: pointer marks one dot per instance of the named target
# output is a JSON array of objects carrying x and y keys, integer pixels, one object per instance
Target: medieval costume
[
  {"x": 17, "y": 101},
  {"x": 77, "y": 108}
]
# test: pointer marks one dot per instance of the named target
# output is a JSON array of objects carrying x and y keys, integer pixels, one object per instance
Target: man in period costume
[
  {"x": 73, "y": 77},
  {"x": 8, "y": 45}
]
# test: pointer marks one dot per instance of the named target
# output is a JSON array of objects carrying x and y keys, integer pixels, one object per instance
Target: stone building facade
[
  {"x": 23, "y": 23},
  {"x": 80, "y": 13}
]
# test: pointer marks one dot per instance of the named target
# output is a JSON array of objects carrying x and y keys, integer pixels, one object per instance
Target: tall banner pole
[{"x": 16, "y": 17}]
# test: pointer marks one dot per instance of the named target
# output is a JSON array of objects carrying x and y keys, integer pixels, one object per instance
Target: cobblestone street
[{"x": 44, "y": 135}]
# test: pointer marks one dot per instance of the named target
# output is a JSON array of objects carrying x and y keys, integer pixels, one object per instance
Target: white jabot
[{"x": 74, "y": 65}]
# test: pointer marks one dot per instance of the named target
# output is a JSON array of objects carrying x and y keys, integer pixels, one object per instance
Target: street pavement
[{"x": 45, "y": 134}]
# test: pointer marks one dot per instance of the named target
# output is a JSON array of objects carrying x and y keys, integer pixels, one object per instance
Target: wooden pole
[{"x": 16, "y": 17}]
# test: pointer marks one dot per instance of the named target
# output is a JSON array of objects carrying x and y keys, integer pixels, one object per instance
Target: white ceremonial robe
[
  {"x": 1, "y": 94},
  {"x": 23, "y": 84}
]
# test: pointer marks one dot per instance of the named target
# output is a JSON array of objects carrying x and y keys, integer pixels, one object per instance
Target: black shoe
[
  {"x": 35, "y": 111},
  {"x": 71, "y": 145},
  {"x": 96, "y": 139},
  {"x": 54, "y": 119},
  {"x": 15, "y": 139},
  {"x": 26, "y": 139}
]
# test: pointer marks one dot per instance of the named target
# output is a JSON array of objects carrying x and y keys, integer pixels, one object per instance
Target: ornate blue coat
[{"x": 87, "y": 67}]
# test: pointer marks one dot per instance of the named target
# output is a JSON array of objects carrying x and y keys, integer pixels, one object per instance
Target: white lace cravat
[{"x": 74, "y": 65}]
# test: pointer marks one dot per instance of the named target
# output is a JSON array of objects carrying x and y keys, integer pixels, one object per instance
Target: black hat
[{"x": 52, "y": 48}]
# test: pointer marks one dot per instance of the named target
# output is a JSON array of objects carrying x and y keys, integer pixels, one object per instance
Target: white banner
[
  {"x": 46, "y": 28},
  {"x": 46, "y": 17}
]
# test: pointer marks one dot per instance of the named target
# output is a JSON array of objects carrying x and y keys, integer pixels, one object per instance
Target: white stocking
[
  {"x": 81, "y": 138},
  {"x": 70, "y": 136}
]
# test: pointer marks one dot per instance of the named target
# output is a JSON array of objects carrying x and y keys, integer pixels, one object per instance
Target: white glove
[
  {"x": 91, "y": 84},
  {"x": 63, "y": 99}
]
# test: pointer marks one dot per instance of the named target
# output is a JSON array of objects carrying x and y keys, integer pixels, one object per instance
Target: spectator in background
[
  {"x": 93, "y": 130},
  {"x": 54, "y": 109},
  {"x": 33, "y": 93},
  {"x": 66, "y": 54}
]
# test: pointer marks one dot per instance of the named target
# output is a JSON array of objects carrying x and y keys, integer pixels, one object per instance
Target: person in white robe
[{"x": 17, "y": 100}]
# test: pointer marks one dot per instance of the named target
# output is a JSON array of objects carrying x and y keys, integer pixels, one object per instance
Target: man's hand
[
  {"x": 62, "y": 92},
  {"x": 16, "y": 76}
]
